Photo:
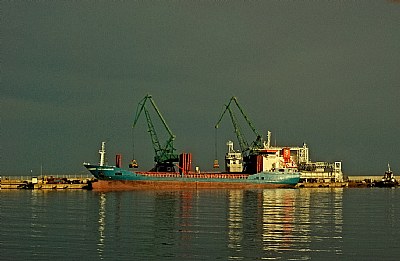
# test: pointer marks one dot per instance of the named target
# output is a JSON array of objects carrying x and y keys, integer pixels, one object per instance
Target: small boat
[{"x": 388, "y": 180}]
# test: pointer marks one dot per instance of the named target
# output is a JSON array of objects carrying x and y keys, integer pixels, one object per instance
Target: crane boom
[
  {"x": 244, "y": 146},
  {"x": 246, "y": 118},
  {"x": 153, "y": 135},
  {"x": 165, "y": 156},
  {"x": 257, "y": 143}
]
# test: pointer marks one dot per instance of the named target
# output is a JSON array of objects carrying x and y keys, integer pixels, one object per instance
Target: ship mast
[{"x": 102, "y": 153}]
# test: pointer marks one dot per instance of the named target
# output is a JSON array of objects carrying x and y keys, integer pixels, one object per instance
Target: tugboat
[{"x": 388, "y": 180}]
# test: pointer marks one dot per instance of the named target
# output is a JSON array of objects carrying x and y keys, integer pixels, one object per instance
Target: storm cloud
[{"x": 321, "y": 72}]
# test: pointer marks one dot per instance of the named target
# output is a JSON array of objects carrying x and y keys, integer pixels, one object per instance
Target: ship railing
[
  {"x": 203, "y": 175},
  {"x": 316, "y": 175}
]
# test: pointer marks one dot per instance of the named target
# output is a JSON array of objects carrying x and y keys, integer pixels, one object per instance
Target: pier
[
  {"x": 46, "y": 182},
  {"x": 349, "y": 181},
  {"x": 322, "y": 185},
  {"x": 362, "y": 181}
]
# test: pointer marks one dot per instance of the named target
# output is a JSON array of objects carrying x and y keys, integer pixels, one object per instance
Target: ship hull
[
  {"x": 167, "y": 185},
  {"x": 112, "y": 178},
  {"x": 385, "y": 184}
]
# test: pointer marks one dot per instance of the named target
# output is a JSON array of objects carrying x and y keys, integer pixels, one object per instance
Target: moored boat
[{"x": 388, "y": 180}]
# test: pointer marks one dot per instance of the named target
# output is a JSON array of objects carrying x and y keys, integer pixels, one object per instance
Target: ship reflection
[
  {"x": 260, "y": 221},
  {"x": 278, "y": 219},
  {"x": 102, "y": 224},
  {"x": 235, "y": 219},
  {"x": 294, "y": 224},
  {"x": 185, "y": 215}
]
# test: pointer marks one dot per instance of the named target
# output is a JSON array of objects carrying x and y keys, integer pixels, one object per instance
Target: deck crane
[
  {"x": 165, "y": 156},
  {"x": 244, "y": 146}
]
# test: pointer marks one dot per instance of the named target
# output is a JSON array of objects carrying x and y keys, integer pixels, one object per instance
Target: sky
[{"x": 325, "y": 73}]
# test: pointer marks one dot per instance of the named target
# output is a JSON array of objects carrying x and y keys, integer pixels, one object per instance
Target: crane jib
[
  {"x": 163, "y": 154},
  {"x": 244, "y": 145}
]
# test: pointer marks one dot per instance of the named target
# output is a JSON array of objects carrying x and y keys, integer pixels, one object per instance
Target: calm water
[{"x": 274, "y": 224}]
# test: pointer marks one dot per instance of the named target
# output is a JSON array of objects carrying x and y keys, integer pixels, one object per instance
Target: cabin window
[
  {"x": 262, "y": 178},
  {"x": 281, "y": 170},
  {"x": 118, "y": 174}
]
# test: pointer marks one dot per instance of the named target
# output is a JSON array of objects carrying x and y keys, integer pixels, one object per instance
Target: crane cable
[
  {"x": 216, "y": 164},
  {"x": 133, "y": 143},
  {"x": 133, "y": 163},
  {"x": 216, "y": 143}
]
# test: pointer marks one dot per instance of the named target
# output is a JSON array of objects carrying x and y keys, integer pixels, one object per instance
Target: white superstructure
[
  {"x": 233, "y": 159},
  {"x": 274, "y": 157}
]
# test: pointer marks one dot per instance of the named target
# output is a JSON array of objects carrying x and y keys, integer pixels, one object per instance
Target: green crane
[
  {"x": 165, "y": 156},
  {"x": 244, "y": 146}
]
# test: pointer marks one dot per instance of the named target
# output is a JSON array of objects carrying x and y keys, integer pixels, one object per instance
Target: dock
[
  {"x": 362, "y": 181},
  {"x": 322, "y": 185},
  {"x": 349, "y": 181},
  {"x": 46, "y": 182}
]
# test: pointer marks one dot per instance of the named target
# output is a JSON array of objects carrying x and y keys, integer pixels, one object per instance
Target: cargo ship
[{"x": 109, "y": 177}]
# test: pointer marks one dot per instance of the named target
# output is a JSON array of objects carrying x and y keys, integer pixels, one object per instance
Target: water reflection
[
  {"x": 283, "y": 223},
  {"x": 102, "y": 224},
  {"x": 278, "y": 219},
  {"x": 303, "y": 224},
  {"x": 185, "y": 215},
  {"x": 235, "y": 219},
  {"x": 318, "y": 223},
  {"x": 296, "y": 224}
]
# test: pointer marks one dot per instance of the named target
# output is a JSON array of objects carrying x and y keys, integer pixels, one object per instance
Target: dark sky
[{"x": 322, "y": 72}]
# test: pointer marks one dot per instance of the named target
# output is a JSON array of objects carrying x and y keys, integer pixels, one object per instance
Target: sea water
[{"x": 270, "y": 224}]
